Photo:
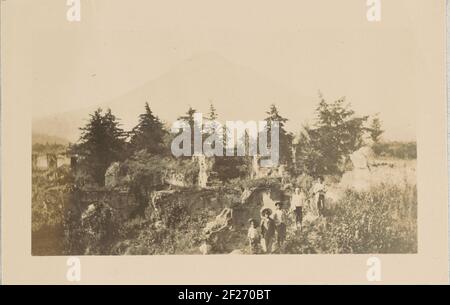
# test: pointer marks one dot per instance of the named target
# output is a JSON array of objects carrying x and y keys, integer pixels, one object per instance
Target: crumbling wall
[
  {"x": 50, "y": 161},
  {"x": 112, "y": 175},
  {"x": 231, "y": 235}
]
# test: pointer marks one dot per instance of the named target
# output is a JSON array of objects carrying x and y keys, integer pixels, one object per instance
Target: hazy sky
[{"x": 305, "y": 45}]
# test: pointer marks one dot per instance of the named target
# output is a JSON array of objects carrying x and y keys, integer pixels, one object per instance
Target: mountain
[
  {"x": 47, "y": 139},
  {"x": 237, "y": 92}
]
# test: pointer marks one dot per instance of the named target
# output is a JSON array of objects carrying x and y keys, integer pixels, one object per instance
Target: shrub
[
  {"x": 399, "y": 150},
  {"x": 49, "y": 191},
  {"x": 172, "y": 230},
  {"x": 382, "y": 220},
  {"x": 337, "y": 133}
]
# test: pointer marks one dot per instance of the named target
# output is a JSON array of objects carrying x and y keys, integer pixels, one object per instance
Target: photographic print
[
  {"x": 190, "y": 135},
  {"x": 174, "y": 165}
]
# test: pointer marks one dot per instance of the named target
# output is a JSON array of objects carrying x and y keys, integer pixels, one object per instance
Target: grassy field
[{"x": 380, "y": 220}]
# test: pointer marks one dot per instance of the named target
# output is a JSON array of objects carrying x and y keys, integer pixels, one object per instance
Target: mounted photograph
[{"x": 199, "y": 136}]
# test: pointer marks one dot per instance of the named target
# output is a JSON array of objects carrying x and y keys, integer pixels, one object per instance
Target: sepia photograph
[
  {"x": 208, "y": 142},
  {"x": 201, "y": 136}
]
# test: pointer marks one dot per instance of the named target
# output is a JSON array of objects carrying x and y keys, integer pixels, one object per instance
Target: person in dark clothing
[
  {"x": 319, "y": 191},
  {"x": 279, "y": 218},
  {"x": 267, "y": 230}
]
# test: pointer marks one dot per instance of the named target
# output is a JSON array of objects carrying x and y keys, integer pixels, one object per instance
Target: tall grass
[
  {"x": 398, "y": 150},
  {"x": 382, "y": 220}
]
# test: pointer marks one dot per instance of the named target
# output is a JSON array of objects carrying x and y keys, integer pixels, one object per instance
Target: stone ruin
[
  {"x": 205, "y": 166},
  {"x": 175, "y": 179},
  {"x": 203, "y": 171},
  {"x": 227, "y": 232},
  {"x": 112, "y": 175},
  {"x": 260, "y": 172},
  {"x": 359, "y": 177},
  {"x": 216, "y": 231},
  {"x": 49, "y": 161},
  {"x": 255, "y": 167}
]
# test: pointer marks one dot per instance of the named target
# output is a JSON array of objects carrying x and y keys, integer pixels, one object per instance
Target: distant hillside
[
  {"x": 46, "y": 139},
  {"x": 238, "y": 93}
]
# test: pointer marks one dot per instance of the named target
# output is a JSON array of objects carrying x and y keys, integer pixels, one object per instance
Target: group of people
[{"x": 273, "y": 224}]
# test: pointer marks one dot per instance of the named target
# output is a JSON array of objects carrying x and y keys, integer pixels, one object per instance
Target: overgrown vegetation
[
  {"x": 382, "y": 220},
  {"x": 50, "y": 193},
  {"x": 102, "y": 142},
  {"x": 337, "y": 133},
  {"x": 399, "y": 150}
]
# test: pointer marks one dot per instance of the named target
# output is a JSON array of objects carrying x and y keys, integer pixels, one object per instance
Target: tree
[
  {"x": 307, "y": 157},
  {"x": 102, "y": 142},
  {"x": 211, "y": 127},
  {"x": 146, "y": 174},
  {"x": 375, "y": 129},
  {"x": 149, "y": 134},
  {"x": 285, "y": 138},
  {"x": 212, "y": 115},
  {"x": 336, "y": 134},
  {"x": 190, "y": 120}
]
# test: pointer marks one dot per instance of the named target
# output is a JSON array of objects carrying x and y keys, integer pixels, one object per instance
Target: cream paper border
[{"x": 430, "y": 265}]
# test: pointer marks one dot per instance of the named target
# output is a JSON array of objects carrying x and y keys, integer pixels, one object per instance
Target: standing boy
[
  {"x": 297, "y": 202},
  {"x": 280, "y": 224},
  {"x": 267, "y": 230},
  {"x": 319, "y": 191}
]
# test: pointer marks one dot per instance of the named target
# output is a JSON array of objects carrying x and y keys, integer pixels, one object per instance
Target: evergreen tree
[
  {"x": 102, "y": 142},
  {"x": 149, "y": 134},
  {"x": 375, "y": 130},
  {"x": 189, "y": 116},
  {"x": 212, "y": 116},
  {"x": 189, "y": 119},
  {"x": 308, "y": 159},
  {"x": 336, "y": 134},
  {"x": 285, "y": 138}
]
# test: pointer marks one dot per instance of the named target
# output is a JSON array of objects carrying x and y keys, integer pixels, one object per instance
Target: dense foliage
[
  {"x": 285, "y": 138},
  {"x": 102, "y": 142},
  {"x": 337, "y": 132},
  {"x": 149, "y": 134},
  {"x": 382, "y": 220},
  {"x": 399, "y": 150}
]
